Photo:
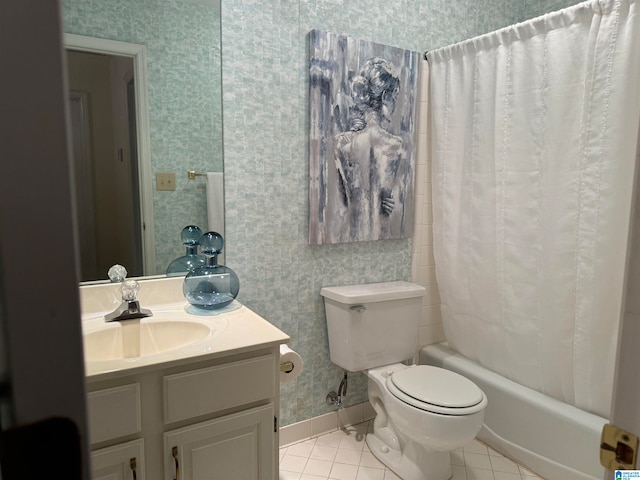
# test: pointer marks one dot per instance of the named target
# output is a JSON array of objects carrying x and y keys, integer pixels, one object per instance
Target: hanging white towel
[{"x": 215, "y": 202}]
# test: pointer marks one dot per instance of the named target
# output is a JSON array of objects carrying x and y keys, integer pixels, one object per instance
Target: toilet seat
[{"x": 436, "y": 390}]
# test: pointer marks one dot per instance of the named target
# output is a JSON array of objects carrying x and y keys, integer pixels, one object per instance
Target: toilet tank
[{"x": 373, "y": 324}]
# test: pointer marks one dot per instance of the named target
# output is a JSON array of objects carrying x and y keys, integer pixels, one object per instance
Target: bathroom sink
[{"x": 140, "y": 338}]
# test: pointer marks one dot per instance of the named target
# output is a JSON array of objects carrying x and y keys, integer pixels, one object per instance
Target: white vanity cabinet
[
  {"x": 190, "y": 408},
  {"x": 120, "y": 462},
  {"x": 202, "y": 419},
  {"x": 237, "y": 446}
]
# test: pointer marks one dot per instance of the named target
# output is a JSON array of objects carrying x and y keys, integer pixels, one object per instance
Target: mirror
[
  {"x": 112, "y": 164},
  {"x": 163, "y": 63}
]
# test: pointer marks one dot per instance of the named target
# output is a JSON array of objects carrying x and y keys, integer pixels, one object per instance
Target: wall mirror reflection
[
  {"x": 145, "y": 99},
  {"x": 112, "y": 164}
]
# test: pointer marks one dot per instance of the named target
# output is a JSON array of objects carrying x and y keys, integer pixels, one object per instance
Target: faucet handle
[
  {"x": 117, "y": 273},
  {"x": 130, "y": 308},
  {"x": 129, "y": 290}
]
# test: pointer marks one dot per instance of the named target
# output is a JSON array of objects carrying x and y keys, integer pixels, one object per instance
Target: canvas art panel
[{"x": 362, "y": 139}]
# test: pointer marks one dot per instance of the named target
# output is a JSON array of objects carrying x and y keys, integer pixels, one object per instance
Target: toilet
[{"x": 422, "y": 412}]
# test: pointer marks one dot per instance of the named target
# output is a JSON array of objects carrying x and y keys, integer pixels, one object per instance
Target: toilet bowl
[{"x": 422, "y": 412}]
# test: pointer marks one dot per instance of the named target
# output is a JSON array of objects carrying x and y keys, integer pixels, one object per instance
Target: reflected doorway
[{"x": 103, "y": 121}]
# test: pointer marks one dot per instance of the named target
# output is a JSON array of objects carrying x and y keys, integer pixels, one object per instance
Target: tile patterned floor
[{"x": 344, "y": 455}]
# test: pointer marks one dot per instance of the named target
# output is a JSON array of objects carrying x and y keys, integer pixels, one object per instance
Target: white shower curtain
[{"x": 533, "y": 132}]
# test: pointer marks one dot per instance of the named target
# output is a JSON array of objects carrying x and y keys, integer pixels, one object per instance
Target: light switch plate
[{"x": 165, "y": 181}]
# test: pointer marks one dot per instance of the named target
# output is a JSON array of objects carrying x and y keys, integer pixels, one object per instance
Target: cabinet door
[
  {"x": 238, "y": 446},
  {"x": 121, "y": 462}
]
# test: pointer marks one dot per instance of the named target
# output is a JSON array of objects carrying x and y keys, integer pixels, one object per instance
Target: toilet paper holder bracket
[{"x": 286, "y": 367}]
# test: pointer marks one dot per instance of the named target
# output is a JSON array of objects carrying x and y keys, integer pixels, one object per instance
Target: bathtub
[{"x": 553, "y": 439}]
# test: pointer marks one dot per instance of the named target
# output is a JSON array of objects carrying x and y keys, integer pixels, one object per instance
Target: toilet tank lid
[{"x": 373, "y": 292}]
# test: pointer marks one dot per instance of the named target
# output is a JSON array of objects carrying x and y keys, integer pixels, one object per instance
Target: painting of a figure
[{"x": 362, "y": 104}]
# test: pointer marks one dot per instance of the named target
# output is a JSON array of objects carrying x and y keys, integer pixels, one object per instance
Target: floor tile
[
  {"x": 330, "y": 439},
  {"x": 321, "y": 468},
  {"x": 476, "y": 447},
  {"x": 479, "y": 474},
  {"x": 300, "y": 449},
  {"x": 344, "y": 455},
  {"x": 525, "y": 472},
  {"x": 504, "y": 464},
  {"x": 368, "y": 473},
  {"x": 288, "y": 476},
  {"x": 506, "y": 476},
  {"x": 477, "y": 460},
  {"x": 389, "y": 475},
  {"x": 352, "y": 442},
  {"x": 342, "y": 471},
  {"x": 368, "y": 459},
  {"x": 291, "y": 463},
  {"x": 351, "y": 457},
  {"x": 322, "y": 452}
]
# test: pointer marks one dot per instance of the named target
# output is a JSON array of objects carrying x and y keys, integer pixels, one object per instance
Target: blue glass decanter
[
  {"x": 211, "y": 286},
  {"x": 190, "y": 237}
]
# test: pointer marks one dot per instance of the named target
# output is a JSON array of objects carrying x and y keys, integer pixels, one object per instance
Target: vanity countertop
[{"x": 234, "y": 329}]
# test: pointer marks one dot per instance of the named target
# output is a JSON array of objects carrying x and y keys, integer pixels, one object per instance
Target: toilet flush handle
[{"x": 358, "y": 308}]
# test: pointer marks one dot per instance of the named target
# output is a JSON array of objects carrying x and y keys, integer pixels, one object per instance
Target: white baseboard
[{"x": 327, "y": 423}]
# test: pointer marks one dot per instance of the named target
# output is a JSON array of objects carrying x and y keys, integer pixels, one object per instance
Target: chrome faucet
[{"x": 130, "y": 307}]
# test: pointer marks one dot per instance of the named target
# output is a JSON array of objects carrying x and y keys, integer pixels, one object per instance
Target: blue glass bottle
[
  {"x": 190, "y": 237},
  {"x": 211, "y": 286}
]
